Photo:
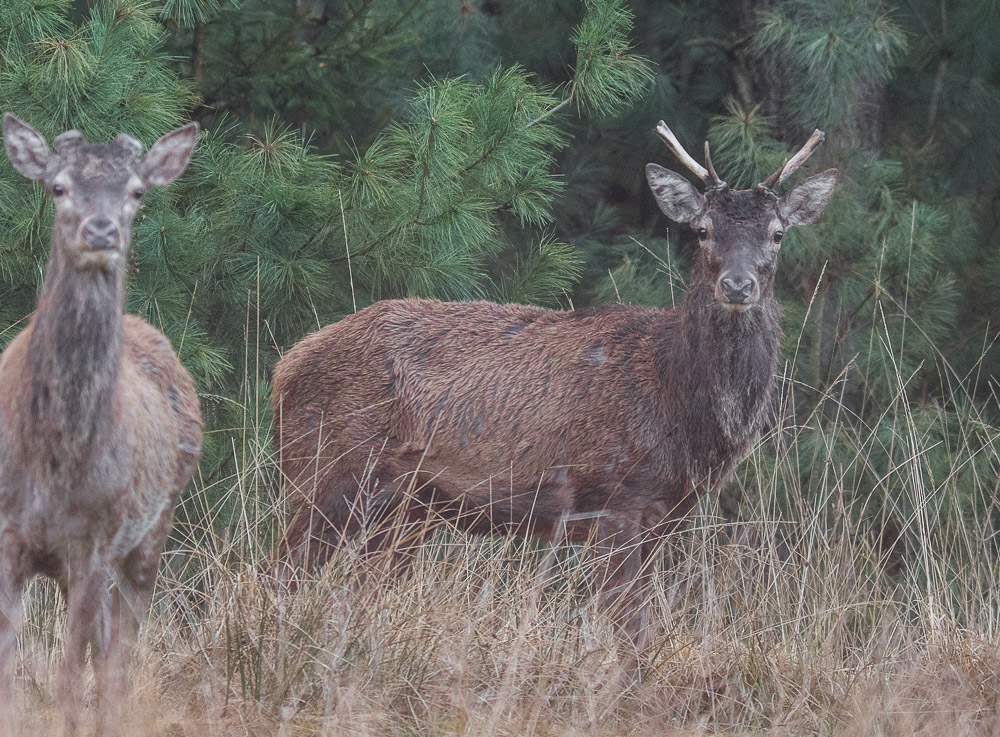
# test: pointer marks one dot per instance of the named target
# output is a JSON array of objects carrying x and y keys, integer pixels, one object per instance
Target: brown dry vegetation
[{"x": 787, "y": 622}]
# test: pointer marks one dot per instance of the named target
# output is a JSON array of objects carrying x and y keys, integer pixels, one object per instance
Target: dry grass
[{"x": 786, "y": 622}]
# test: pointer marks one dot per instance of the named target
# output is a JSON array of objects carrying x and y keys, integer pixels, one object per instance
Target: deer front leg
[
  {"x": 110, "y": 657},
  {"x": 88, "y": 620},
  {"x": 11, "y": 582},
  {"x": 393, "y": 539},
  {"x": 318, "y": 528},
  {"x": 622, "y": 581},
  {"x": 129, "y": 602}
]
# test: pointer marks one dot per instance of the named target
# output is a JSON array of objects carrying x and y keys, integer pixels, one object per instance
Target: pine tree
[
  {"x": 896, "y": 278},
  {"x": 266, "y": 238},
  {"x": 377, "y": 148},
  {"x": 873, "y": 294}
]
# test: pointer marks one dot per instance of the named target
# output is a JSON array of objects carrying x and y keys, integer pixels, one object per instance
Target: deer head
[
  {"x": 96, "y": 187},
  {"x": 739, "y": 230}
]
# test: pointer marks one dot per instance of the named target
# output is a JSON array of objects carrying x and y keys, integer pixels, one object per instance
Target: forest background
[
  {"x": 382, "y": 148},
  {"x": 465, "y": 149}
]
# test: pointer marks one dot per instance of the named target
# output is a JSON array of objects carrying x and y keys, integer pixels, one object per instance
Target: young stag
[
  {"x": 604, "y": 423},
  {"x": 100, "y": 429}
]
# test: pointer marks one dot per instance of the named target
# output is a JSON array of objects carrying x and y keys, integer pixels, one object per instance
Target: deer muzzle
[
  {"x": 100, "y": 233},
  {"x": 737, "y": 290}
]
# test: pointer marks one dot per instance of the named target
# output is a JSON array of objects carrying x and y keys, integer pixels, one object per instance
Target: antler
[
  {"x": 130, "y": 143},
  {"x": 790, "y": 165},
  {"x": 66, "y": 142},
  {"x": 708, "y": 176},
  {"x": 713, "y": 180}
]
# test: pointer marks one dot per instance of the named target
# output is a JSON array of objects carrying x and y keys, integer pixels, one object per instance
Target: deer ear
[
  {"x": 675, "y": 195},
  {"x": 26, "y": 147},
  {"x": 805, "y": 203},
  {"x": 169, "y": 157}
]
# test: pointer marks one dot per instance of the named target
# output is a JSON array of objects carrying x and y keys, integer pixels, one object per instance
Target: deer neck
[
  {"x": 74, "y": 358},
  {"x": 734, "y": 358}
]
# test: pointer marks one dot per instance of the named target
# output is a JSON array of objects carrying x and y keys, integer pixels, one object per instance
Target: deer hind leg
[
  {"x": 622, "y": 581},
  {"x": 11, "y": 582}
]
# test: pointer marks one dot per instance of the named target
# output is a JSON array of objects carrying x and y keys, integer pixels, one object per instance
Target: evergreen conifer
[{"x": 378, "y": 148}]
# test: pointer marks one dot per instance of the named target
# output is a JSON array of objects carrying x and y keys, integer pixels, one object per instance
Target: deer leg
[
  {"x": 105, "y": 652},
  {"x": 129, "y": 601},
  {"x": 390, "y": 549},
  {"x": 11, "y": 582},
  {"x": 89, "y": 620},
  {"x": 319, "y": 527},
  {"x": 622, "y": 581},
  {"x": 110, "y": 656}
]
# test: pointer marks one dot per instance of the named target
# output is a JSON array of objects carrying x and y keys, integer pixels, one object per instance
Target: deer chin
[
  {"x": 97, "y": 259},
  {"x": 736, "y": 307}
]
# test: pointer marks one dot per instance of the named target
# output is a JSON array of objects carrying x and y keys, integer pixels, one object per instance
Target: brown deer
[
  {"x": 100, "y": 429},
  {"x": 605, "y": 423}
]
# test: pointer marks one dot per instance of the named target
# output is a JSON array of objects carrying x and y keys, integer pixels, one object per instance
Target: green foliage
[
  {"x": 744, "y": 140},
  {"x": 607, "y": 78},
  {"x": 104, "y": 76},
  {"x": 189, "y": 13},
  {"x": 336, "y": 68},
  {"x": 463, "y": 155},
  {"x": 541, "y": 277},
  {"x": 831, "y": 48},
  {"x": 265, "y": 237},
  {"x": 379, "y": 148}
]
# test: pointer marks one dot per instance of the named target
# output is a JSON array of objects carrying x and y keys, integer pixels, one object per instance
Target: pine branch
[
  {"x": 555, "y": 108},
  {"x": 349, "y": 23}
]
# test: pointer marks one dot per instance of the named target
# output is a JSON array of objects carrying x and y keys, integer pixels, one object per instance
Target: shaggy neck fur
[
  {"x": 732, "y": 358},
  {"x": 73, "y": 359}
]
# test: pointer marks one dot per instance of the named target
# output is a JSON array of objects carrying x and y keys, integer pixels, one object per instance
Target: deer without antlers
[
  {"x": 606, "y": 423},
  {"x": 100, "y": 429}
]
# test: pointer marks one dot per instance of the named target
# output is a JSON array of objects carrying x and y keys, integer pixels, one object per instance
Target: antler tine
[
  {"x": 804, "y": 153},
  {"x": 713, "y": 180},
  {"x": 788, "y": 168},
  {"x": 772, "y": 180},
  {"x": 667, "y": 136}
]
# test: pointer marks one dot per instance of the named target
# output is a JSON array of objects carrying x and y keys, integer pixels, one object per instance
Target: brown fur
[
  {"x": 610, "y": 421},
  {"x": 100, "y": 431}
]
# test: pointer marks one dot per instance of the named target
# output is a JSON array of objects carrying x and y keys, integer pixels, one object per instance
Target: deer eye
[
  {"x": 702, "y": 234},
  {"x": 58, "y": 190},
  {"x": 138, "y": 192},
  {"x": 777, "y": 235}
]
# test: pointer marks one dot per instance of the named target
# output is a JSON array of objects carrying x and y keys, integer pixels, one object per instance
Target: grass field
[{"x": 796, "y": 618}]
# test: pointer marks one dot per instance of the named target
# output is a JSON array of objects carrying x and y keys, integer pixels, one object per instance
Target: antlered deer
[
  {"x": 610, "y": 420},
  {"x": 100, "y": 429}
]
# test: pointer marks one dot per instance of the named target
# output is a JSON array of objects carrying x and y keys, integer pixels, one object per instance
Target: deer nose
[
  {"x": 100, "y": 233},
  {"x": 737, "y": 290}
]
